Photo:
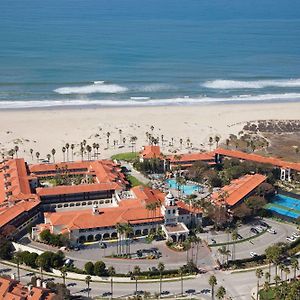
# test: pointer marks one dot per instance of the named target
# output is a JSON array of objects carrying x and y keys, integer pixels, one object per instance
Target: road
[{"x": 238, "y": 285}]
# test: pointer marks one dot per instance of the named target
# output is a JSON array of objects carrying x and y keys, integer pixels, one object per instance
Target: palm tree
[
  {"x": 120, "y": 134},
  {"x": 111, "y": 272},
  {"x": 88, "y": 280},
  {"x": 212, "y": 281},
  {"x": 152, "y": 128},
  {"x": 221, "y": 292},
  {"x": 120, "y": 231},
  {"x": 210, "y": 142},
  {"x": 217, "y": 140},
  {"x": 37, "y": 154},
  {"x": 48, "y": 157},
  {"x": 136, "y": 272},
  {"x": 18, "y": 257},
  {"x": 180, "y": 142},
  {"x": 281, "y": 268},
  {"x": 128, "y": 230},
  {"x": 276, "y": 279},
  {"x": 161, "y": 268},
  {"x": 16, "y": 150},
  {"x": 89, "y": 150},
  {"x": 287, "y": 271},
  {"x": 97, "y": 148},
  {"x": 63, "y": 274},
  {"x": 234, "y": 236},
  {"x": 67, "y": 146},
  {"x": 224, "y": 252},
  {"x": 259, "y": 273},
  {"x": 81, "y": 150},
  {"x": 295, "y": 266},
  {"x": 227, "y": 143},
  {"x": 31, "y": 153},
  {"x": 72, "y": 151},
  {"x": 53, "y": 151},
  {"x": 268, "y": 277},
  {"x": 181, "y": 272},
  {"x": 63, "y": 149},
  {"x": 108, "y": 135}
]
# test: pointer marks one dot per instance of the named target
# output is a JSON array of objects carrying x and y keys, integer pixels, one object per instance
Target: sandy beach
[{"x": 42, "y": 130}]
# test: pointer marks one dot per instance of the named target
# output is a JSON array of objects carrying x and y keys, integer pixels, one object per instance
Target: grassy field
[
  {"x": 133, "y": 181},
  {"x": 128, "y": 156}
]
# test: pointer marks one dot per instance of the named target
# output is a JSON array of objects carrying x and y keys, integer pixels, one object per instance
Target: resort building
[
  {"x": 150, "y": 152},
  {"x": 27, "y": 190},
  {"x": 286, "y": 168},
  {"x": 141, "y": 207},
  {"x": 238, "y": 190},
  {"x": 11, "y": 289},
  {"x": 187, "y": 160}
]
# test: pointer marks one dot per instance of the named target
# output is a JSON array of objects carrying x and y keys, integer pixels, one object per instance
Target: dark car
[
  {"x": 239, "y": 237},
  {"x": 202, "y": 271},
  {"x": 264, "y": 224},
  {"x": 106, "y": 294},
  {"x": 165, "y": 293},
  {"x": 205, "y": 291},
  {"x": 190, "y": 291},
  {"x": 254, "y": 230},
  {"x": 102, "y": 245},
  {"x": 138, "y": 292}
]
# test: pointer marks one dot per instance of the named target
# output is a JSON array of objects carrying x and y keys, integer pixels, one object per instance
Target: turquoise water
[
  {"x": 186, "y": 189},
  {"x": 148, "y": 52},
  {"x": 289, "y": 206}
]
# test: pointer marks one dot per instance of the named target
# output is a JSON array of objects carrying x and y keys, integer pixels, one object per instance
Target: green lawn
[
  {"x": 133, "y": 181},
  {"x": 128, "y": 156}
]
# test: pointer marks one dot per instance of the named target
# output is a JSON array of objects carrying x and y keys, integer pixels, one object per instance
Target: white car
[
  {"x": 259, "y": 228},
  {"x": 295, "y": 235},
  {"x": 253, "y": 254},
  {"x": 290, "y": 238},
  {"x": 270, "y": 230}
]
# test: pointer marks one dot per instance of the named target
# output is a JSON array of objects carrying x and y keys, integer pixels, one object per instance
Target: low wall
[{"x": 20, "y": 247}]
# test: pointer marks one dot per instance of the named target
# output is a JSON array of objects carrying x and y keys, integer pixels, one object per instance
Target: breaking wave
[
  {"x": 257, "y": 84},
  {"x": 97, "y": 87},
  {"x": 146, "y": 101}
]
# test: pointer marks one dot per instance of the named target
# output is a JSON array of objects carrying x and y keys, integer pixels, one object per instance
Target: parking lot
[{"x": 258, "y": 244}]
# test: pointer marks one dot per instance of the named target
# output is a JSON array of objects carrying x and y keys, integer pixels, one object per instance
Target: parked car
[
  {"x": 190, "y": 291},
  {"x": 213, "y": 241},
  {"x": 295, "y": 235},
  {"x": 165, "y": 293},
  {"x": 253, "y": 254},
  {"x": 264, "y": 224},
  {"x": 69, "y": 262},
  {"x": 239, "y": 237},
  {"x": 254, "y": 230},
  {"x": 102, "y": 245},
  {"x": 270, "y": 230},
  {"x": 290, "y": 238},
  {"x": 259, "y": 228}
]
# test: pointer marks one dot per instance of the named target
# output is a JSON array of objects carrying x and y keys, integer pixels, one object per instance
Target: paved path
[{"x": 135, "y": 173}]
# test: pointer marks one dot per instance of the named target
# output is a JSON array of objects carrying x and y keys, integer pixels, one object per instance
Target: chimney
[
  {"x": 95, "y": 210},
  {"x": 38, "y": 282}
]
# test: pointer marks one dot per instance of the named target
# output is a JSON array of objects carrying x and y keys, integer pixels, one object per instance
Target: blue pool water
[
  {"x": 289, "y": 206},
  {"x": 187, "y": 189}
]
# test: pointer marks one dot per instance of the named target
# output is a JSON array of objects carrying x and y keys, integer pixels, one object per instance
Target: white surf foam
[
  {"x": 92, "y": 89},
  {"x": 257, "y": 84},
  {"x": 150, "y": 102},
  {"x": 98, "y": 82}
]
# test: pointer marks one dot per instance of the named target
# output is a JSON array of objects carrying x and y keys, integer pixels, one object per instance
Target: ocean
[{"x": 148, "y": 52}]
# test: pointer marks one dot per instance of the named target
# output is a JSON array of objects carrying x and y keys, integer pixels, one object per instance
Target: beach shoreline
[{"x": 45, "y": 129}]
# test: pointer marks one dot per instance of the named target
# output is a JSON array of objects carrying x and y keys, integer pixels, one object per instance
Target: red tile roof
[
  {"x": 14, "y": 290},
  {"x": 14, "y": 209},
  {"x": 238, "y": 189},
  {"x": 258, "y": 158},
  {"x": 107, "y": 217},
  {"x": 77, "y": 189},
  {"x": 151, "y": 152},
  {"x": 185, "y": 208},
  {"x": 191, "y": 157}
]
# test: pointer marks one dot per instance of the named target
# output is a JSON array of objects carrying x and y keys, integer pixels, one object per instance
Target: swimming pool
[
  {"x": 285, "y": 205},
  {"x": 187, "y": 189}
]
